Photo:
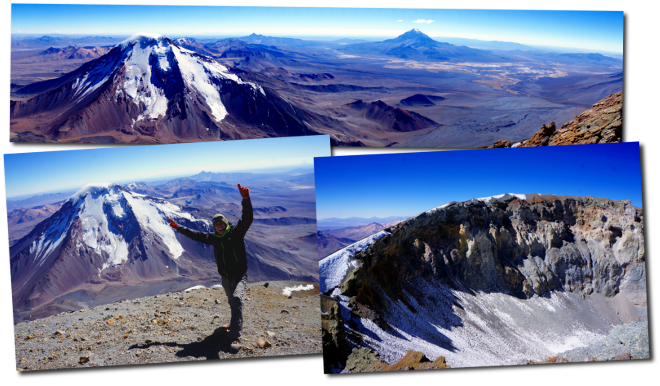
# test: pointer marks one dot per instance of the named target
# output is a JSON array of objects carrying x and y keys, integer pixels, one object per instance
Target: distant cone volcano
[{"x": 150, "y": 89}]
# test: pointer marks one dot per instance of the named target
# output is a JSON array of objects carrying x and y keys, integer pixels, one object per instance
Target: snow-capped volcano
[
  {"x": 102, "y": 233},
  {"x": 144, "y": 65},
  {"x": 149, "y": 88}
]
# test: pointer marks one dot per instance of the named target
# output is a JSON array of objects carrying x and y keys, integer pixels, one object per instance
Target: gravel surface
[
  {"x": 631, "y": 338},
  {"x": 182, "y": 326}
]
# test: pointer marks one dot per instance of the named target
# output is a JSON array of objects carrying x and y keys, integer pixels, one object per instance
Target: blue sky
[
  {"x": 410, "y": 183},
  {"x": 579, "y": 29},
  {"x": 32, "y": 173}
]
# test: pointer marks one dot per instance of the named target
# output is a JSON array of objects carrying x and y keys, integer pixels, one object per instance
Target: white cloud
[
  {"x": 423, "y": 21},
  {"x": 399, "y": 21}
]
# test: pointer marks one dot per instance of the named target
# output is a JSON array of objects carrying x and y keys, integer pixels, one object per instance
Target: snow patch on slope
[
  {"x": 482, "y": 329},
  {"x": 289, "y": 290},
  {"x": 199, "y": 73},
  {"x": 153, "y": 217}
]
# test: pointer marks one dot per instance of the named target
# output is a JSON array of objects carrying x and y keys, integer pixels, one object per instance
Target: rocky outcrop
[
  {"x": 541, "y": 137},
  {"x": 365, "y": 360},
  {"x": 524, "y": 245},
  {"x": 603, "y": 123}
]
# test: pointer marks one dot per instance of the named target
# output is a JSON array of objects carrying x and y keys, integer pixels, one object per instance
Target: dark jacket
[{"x": 229, "y": 249}]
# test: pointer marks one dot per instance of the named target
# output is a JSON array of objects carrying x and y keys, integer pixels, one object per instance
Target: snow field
[
  {"x": 95, "y": 230},
  {"x": 137, "y": 81},
  {"x": 289, "y": 290}
]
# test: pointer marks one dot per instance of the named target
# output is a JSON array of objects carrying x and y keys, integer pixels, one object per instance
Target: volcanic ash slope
[{"x": 492, "y": 281}]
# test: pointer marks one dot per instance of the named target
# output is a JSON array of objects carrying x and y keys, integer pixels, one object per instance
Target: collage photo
[{"x": 292, "y": 192}]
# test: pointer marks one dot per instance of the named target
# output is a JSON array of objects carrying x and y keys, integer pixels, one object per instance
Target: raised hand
[
  {"x": 245, "y": 192},
  {"x": 172, "y": 223}
]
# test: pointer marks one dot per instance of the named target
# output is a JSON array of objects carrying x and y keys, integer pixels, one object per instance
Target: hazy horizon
[
  {"x": 585, "y": 30},
  {"x": 320, "y": 38},
  {"x": 30, "y": 174},
  {"x": 160, "y": 178}
]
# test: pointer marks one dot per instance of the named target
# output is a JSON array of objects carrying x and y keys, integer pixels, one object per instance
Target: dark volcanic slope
[
  {"x": 421, "y": 100},
  {"x": 574, "y": 89},
  {"x": 391, "y": 118}
]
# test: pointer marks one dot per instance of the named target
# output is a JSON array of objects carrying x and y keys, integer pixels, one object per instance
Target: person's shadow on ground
[{"x": 208, "y": 348}]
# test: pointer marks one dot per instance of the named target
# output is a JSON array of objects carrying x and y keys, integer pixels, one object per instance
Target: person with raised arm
[{"x": 229, "y": 250}]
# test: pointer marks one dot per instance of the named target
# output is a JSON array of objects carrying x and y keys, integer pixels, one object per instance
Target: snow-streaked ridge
[
  {"x": 488, "y": 200},
  {"x": 333, "y": 269}
]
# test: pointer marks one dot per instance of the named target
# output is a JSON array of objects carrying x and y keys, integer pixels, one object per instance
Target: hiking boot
[{"x": 235, "y": 345}]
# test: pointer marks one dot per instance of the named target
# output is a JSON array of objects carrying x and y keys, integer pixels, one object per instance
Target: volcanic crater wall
[{"x": 522, "y": 247}]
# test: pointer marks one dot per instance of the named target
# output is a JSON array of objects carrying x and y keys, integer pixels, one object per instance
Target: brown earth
[{"x": 182, "y": 326}]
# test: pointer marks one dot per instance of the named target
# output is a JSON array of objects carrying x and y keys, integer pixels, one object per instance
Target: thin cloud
[
  {"x": 399, "y": 21},
  {"x": 423, "y": 21}
]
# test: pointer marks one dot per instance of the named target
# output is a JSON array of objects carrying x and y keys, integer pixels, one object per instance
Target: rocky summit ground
[{"x": 182, "y": 326}]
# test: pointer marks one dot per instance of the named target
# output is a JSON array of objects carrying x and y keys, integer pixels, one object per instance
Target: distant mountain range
[
  {"x": 19, "y": 41},
  {"x": 75, "y": 52},
  {"x": 38, "y": 200},
  {"x": 336, "y": 223}
]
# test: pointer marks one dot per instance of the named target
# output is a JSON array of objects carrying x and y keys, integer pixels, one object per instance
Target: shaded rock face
[
  {"x": 333, "y": 335},
  {"x": 524, "y": 247}
]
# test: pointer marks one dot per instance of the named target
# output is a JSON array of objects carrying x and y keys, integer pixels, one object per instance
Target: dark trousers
[{"x": 235, "y": 288}]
